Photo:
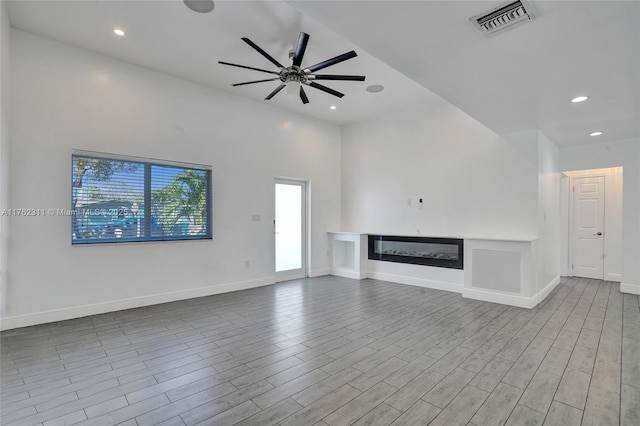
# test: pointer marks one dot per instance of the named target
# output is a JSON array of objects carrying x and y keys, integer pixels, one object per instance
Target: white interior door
[
  {"x": 588, "y": 227},
  {"x": 290, "y": 229}
]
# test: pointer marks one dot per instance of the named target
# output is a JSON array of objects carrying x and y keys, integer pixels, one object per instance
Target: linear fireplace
[{"x": 441, "y": 252}]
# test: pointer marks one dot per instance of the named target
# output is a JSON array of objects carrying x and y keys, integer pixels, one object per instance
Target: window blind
[{"x": 115, "y": 199}]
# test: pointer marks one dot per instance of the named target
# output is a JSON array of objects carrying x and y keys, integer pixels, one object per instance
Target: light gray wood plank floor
[{"x": 334, "y": 351}]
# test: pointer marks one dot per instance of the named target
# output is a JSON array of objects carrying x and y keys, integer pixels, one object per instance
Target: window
[{"x": 124, "y": 199}]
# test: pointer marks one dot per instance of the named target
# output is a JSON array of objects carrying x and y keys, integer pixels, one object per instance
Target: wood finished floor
[{"x": 334, "y": 351}]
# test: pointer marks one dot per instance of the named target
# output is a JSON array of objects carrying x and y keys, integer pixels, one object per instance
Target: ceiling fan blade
[
  {"x": 331, "y": 61},
  {"x": 262, "y": 52},
  {"x": 337, "y": 77},
  {"x": 272, "y": 94},
  {"x": 256, "y": 81},
  {"x": 326, "y": 89},
  {"x": 302, "y": 46},
  {"x": 249, "y": 68},
  {"x": 303, "y": 96}
]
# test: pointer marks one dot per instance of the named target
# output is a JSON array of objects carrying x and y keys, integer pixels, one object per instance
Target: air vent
[{"x": 504, "y": 17}]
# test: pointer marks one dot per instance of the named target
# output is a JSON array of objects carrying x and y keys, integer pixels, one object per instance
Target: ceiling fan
[{"x": 295, "y": 74}]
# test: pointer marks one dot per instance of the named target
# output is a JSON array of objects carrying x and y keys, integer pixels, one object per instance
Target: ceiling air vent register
[{"x": 504, "y": 17}]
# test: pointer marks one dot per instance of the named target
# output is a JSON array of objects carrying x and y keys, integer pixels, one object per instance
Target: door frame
[{"x": 303, "y": 272}]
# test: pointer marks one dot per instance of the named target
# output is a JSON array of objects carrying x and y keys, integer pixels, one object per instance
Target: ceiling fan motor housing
[{"x": 293, "y": 74}]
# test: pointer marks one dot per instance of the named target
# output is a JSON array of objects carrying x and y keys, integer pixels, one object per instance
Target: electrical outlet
[
  {"x": 255, "y": 217},
  {"x": 247, "y": 264}
]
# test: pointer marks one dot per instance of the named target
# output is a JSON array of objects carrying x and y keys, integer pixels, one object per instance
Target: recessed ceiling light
[
  {"x": 579, "y": 99},
  {"x": 200, "y": 6},
  {"x": 595, "y": 133},
  {"x": 375, "y": 88},
  {"x": 332, "y": 107},
  {"x": 118, "y": 31}
]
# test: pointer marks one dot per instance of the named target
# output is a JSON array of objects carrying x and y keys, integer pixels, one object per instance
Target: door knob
[{"x": 599, "y": 233}]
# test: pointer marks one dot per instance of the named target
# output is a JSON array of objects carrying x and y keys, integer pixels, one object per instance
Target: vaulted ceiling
[{"x": 521, "y": 79}]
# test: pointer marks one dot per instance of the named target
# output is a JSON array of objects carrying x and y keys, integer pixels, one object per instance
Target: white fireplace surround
[{"x": 500, "y": 271}]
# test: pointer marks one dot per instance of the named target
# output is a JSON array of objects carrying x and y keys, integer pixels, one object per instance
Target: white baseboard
[
  {"x": 319, "y": 272},
  {"x": 509, "y": 298},
  {"x": 630, "y": 288},
  {"x": 419, "y": 282},
  {"x": 613, "y": 277},
  {"x": 542, "y": 294},
  {"x": 25, "y": 320},
  {"x": 348, "y": 273},
  {"x": 498, "y": 297}
]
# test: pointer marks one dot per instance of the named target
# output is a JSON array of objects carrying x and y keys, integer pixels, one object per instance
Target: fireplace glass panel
[
  {"x": 429, "y": 251},
  {"x": 425, "y": 250}
]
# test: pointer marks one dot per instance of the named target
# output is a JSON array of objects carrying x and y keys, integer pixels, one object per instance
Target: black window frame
[{"x": 146, "y": 227}]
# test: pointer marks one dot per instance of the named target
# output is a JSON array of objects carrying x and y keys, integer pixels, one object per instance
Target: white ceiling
[
  {"x": 167, "y": 36},
  {"x": 521, "y": 79}
]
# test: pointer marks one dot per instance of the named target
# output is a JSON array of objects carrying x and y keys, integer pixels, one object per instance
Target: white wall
[
  {"x": 474, "y": 184},
  {"x": 543, "y": 156},
  {"x": 65, "y": 98},
  {"x": 4, "y": 149},
  {"x": 615, "y": 154},
  {"x": 549, "y": 239}
]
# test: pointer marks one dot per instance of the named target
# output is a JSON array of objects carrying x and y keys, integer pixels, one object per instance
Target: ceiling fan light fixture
[
  {"x": 200, "y": 6},
  {"x": 293, "y": 87}
]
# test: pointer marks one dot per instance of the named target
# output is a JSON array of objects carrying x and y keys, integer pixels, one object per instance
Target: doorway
[
  {"x": 588, "y": 227},
  {"x": 593, "y": 215},
  {"x": 290, "y": 228}
]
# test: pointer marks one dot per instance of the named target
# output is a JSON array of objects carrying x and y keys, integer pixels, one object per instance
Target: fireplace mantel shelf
[{"x": 475, "y": 237}]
